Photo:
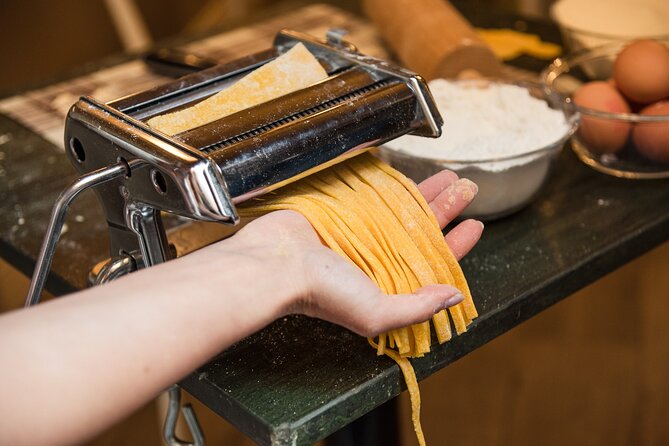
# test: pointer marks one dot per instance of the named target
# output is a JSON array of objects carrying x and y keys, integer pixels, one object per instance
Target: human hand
[
  {"x": 222, "y": 293},
  {"x": 325, "y": 285}
]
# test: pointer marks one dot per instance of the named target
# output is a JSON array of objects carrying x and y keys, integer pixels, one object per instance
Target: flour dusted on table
[{"x": 484, "y": 121}]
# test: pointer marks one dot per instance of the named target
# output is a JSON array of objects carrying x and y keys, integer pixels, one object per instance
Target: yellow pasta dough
[
  {"x": 292, "y": 71},
  {"x": 362, "y": 209},
  {"x": 376, "y": 218}
]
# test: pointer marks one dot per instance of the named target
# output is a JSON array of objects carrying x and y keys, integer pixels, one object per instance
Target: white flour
[
  {"x": 480, "y": 124},
  {"x": 484, "y": 124}
]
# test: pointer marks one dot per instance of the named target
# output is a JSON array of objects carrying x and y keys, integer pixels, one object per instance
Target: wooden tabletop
[{"x": 301, "y": 379}]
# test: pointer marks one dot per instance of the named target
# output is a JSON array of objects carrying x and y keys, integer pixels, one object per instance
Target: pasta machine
[{"x": 139, "y": 172}]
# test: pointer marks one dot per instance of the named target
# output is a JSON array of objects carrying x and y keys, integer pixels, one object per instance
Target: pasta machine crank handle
[
  {"x": 56, "y": 221},
  {"x": 147, "y": 225}
]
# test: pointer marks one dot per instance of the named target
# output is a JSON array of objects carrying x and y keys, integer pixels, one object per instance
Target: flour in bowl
[
  {"x": 491, "y": 135},
  {"x": 486, "y": 121}
]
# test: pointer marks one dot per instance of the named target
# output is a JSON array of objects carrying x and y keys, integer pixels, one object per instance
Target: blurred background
[
  {"x": 592, "y": 370},
  {"x": 40, "y": 39}
]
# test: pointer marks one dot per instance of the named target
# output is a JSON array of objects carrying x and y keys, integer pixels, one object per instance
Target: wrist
[{"x": 267, "y": 276}]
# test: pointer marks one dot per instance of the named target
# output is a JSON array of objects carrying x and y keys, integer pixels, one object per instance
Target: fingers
[
  {"x": 397, "y": 311},
  {"x": 360, "y": 306},
  {"x": 363, "y": 308},
  {"x": 433, "y": 186},
  {"x": 463, "y": 237},
  {"x": 453, "y": 200}
]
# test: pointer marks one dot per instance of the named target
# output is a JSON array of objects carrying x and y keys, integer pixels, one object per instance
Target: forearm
[{"x": 76, "y": 365}]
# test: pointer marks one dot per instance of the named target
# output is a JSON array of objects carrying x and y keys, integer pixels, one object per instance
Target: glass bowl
[
  {"x": 506, "y": 184},
  {"x": 565, "y": 75},
  {"x": 616, "y": 20}
]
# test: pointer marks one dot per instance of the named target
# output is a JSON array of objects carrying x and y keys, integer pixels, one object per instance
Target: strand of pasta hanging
[{"x": 375, "y": 217}]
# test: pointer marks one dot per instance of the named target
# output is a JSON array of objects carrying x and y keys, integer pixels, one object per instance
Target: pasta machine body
[
  {"x": 204, "y": 172},
  {"x": 139, "y": 172}
]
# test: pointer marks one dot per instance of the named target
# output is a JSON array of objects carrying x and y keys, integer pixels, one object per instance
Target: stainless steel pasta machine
[{"x": 139, "y": 172}]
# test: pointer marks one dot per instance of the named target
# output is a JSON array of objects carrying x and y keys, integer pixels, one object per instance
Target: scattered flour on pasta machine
[{"x": 139, "y": 172}]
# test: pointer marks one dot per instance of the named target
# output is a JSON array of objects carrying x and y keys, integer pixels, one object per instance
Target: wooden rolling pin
[{"x": 431, "y": 38}]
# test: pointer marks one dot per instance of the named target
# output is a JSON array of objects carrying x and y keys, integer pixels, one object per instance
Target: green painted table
[{"x": 300, "y": 379}]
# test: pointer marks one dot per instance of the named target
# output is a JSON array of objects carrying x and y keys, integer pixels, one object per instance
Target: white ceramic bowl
[
  {"x": 592, "y": 23},
  {"x": 506, "y": 184}
]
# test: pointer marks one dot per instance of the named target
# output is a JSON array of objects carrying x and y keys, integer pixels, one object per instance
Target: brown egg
[
  {"x": 602, "y": 135},
  {"x": 641, "y": 71},
  {"x": 652, "y": 138}
]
